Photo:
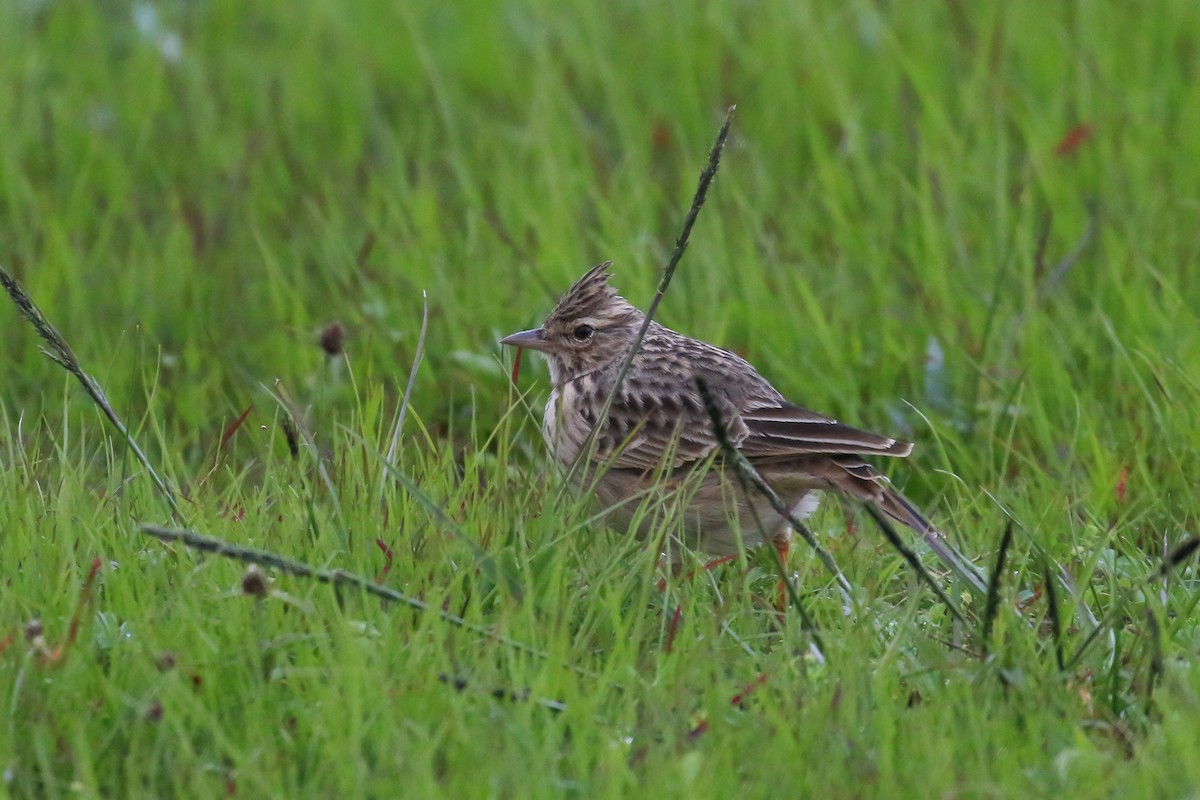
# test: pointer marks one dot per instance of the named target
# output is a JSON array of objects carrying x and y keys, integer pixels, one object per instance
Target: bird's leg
[{"x": 782, "y": 542}]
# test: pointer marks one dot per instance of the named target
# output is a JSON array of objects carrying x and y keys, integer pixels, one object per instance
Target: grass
[{"x": 974, "y": 225}]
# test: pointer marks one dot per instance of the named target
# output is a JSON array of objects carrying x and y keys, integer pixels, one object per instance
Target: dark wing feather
[
  {"x": 643, "y": 426},
  {"x": 659, "y": 411},
  {"x": 783, "y": 431}
]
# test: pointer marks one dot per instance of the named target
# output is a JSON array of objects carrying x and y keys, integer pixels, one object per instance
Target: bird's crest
[{"x": 592, "y": 297}]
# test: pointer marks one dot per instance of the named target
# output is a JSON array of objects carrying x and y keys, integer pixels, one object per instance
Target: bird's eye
[{"x": 583, "y": 333}]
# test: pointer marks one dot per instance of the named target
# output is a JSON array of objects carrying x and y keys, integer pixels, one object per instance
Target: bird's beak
[{"x": 534, "y": 339}]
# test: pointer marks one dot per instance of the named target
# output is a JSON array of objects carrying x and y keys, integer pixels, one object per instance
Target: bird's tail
[
  {"x": 871, "y": 487},
  {"x": 901, "y": 509}
]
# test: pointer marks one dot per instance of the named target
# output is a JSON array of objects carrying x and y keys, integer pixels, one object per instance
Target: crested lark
[{"x": 659, "y": 442}]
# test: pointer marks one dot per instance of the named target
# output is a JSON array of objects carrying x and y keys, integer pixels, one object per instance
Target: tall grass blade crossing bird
[{"x": 658, "y": 440}]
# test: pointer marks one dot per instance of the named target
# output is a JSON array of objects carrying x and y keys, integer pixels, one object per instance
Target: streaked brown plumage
[{"x": 658, "y": 440}]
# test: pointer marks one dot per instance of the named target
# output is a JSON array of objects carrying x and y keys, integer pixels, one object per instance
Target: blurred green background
[{"x": 212, "y": 183}]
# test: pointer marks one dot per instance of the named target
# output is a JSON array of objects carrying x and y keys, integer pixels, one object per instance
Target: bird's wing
[
  {"x": 674, "y": 430},
  {"x": 658, "y": 419},
  {"x": 647, "y": 430},
  {"x": 781, "y": 431}
]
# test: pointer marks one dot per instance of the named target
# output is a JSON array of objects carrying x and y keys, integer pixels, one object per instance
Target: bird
[{"x": 659, "y": 444}]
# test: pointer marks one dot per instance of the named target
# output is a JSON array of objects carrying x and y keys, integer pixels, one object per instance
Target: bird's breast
[{"x": 570, "y": 413}]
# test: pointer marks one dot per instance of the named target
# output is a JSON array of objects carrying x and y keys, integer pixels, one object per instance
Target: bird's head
[{"x": 591, "y": 327}]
